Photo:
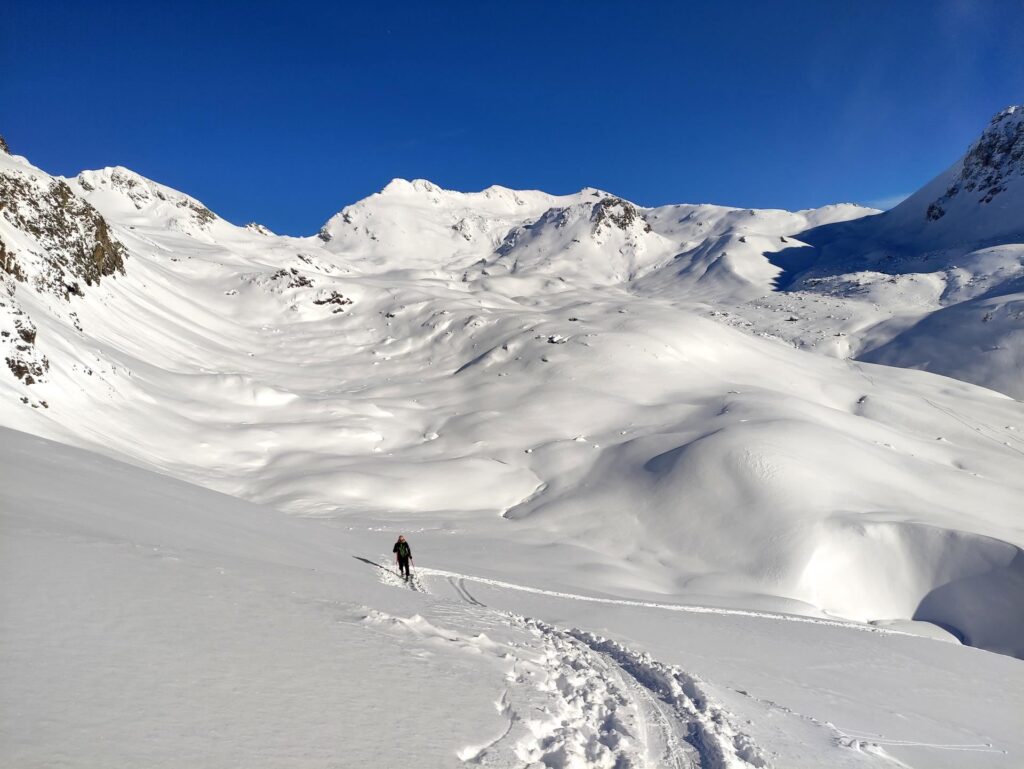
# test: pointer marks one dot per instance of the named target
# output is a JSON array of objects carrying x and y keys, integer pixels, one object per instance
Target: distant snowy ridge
[{"x": 136, "y": 198}]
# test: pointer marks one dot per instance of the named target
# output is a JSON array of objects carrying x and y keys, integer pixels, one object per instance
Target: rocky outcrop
[
  {"x": 259, "y": 229},
  {"x": 51, "y": 242},
  {"x": 70, "y": 241},
  {"x": 18, "y": 338},
  {"x": 337, "y": 302},
  {"x": 616, "y": 212}
]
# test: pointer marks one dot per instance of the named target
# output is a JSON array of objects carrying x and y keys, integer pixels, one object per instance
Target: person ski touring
[{"x": 403, "y": 556}]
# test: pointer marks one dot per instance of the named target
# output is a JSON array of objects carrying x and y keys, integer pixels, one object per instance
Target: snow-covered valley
[
  {"x": 153, "y": 623},
  {"x": 678, "y": 493}
]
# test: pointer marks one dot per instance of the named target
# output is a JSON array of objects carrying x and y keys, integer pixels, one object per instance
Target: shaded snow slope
[{"x": 149, "y": 622}]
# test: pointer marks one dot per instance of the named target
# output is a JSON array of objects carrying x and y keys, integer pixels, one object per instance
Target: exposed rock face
[
  {"x": 72, "y": 241},
  {"x": 9, "y": 265},
  {"x": 991, "y": 162},
  {"x": 336, "y": 301},
  {"x": 18, "y": 339},
  {"x": 3, "y": 146},
  {"x": 52, "y": 242},
  {"x": 616, "y": 212}
]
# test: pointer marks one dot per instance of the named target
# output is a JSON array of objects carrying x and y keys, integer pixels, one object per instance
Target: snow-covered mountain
[
  {"x": 946, "y": 267},
  {"x": 976, "y": 202},
  {"x": 667, "y": 407},
  {"x": 559, "y": 361}
]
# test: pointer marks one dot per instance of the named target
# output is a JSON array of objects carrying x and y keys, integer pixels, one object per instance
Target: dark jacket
[{"x": 403, "y": 550}]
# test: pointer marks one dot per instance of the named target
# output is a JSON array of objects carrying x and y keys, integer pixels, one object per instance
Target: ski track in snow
[
  {"x": 604, "y": 704},
  {"x": 576, "y": 700},
  {"x": 455, "y": 578},
  {"x": 691, "y": 729},
  {"x": 872, "y": 744}
]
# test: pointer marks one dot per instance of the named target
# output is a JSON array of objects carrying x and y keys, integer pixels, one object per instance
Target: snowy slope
[
  {"x": 563, "y": 387},
  {"x": 149, "y": 622},
  {"x": 711, "y": 464},
  {"x": 603, "y": 417}
]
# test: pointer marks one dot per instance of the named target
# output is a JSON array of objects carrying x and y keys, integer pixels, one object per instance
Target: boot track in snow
[{"x": 576, "y": 699}]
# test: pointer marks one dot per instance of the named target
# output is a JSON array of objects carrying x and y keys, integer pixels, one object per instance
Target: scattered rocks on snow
[{"x": 337, "y": 301}]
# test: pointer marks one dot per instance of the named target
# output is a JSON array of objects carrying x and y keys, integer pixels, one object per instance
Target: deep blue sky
[{"x": 284, "y": 112}]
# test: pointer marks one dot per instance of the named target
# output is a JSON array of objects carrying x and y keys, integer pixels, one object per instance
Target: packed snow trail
[
  {"x": 604, "y": 704},
  {"x": 653, "y": 714},
  {"x": 577, "y": 700}
]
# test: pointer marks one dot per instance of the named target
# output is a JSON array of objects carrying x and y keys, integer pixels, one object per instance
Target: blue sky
[{"x": 285, "y": 112}]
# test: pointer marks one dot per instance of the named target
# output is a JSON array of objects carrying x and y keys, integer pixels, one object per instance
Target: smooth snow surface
[{"x": 152, "y": 623}]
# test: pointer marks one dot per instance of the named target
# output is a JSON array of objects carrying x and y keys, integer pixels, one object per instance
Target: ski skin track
[
  {"x": 692, "y": 609},
  {"x": 626, "y": 661},
  {"x": 666, "y": 698}
]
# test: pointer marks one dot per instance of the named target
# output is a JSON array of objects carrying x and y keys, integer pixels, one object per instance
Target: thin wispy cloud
[{"x": 888, "y": 201}]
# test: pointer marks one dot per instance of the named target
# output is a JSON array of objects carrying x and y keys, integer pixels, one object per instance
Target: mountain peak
[
  {"x": 138, "y": 194},
  {"x": 399, "y": 186},
  {"x": 990, "y": 164}
]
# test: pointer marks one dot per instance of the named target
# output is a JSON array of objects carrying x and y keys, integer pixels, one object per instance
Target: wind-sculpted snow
[{"x": 978, "y": 340}]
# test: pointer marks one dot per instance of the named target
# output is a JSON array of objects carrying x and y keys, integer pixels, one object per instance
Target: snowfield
[
  {"x": 689, "y": 486},
  {"x": 148, "y": 622}
]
